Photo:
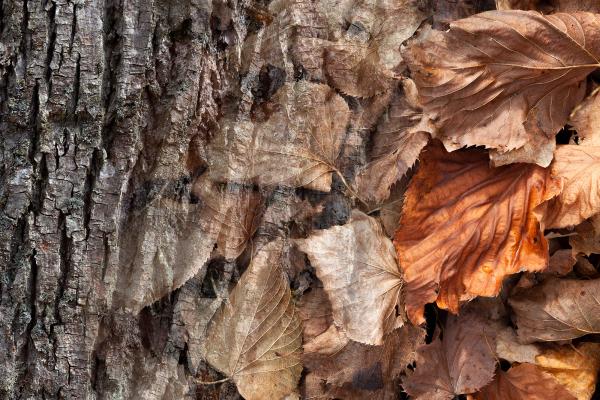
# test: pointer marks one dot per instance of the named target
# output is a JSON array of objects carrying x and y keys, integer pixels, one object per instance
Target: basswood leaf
[
  {"x": 297, "y": 145},
  {"x": 461, "y": 362},
  {"x": 359, "y": 371},
  {"x": 578, "y": 167},
  {"x": 499, "y": 77},
  {"x": 255, "y": 338},
  {"x": 558, "y": 309},
  {"x": 465, "y": 226},
  {"x": 397, "y": 142},
  {"x": 575, "y": 368},
  {"x": 524, "y": 382},
  {"x": 356, "y": 263}
]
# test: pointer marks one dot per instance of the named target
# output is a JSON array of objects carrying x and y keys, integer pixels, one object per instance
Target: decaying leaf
[
  {"x": 465, "y": 226},
  {"x": 561, "y": 262},
  {"x": 578, "y": 167},
  {"x": 575, "y": 368},
  {"x": 360, "y": 371},
  {"x": 587, "y": 239},
  {"x": 558, "y": 309},
  {"x": 397, "y": 142},
  {"x": 357, "y": 265},
  {"x": 524, "y": 382},
  {"x": 499, "y": 77},
  {"x": 255, "y": 337},
  {"x": 297, "y": 145},
  {"x": 586, "y": 120},
  {"x": 461, "y": 362},
  {"x": 509, "y": 348}
]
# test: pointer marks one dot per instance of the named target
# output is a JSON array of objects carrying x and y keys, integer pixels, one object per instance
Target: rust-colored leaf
[
  {"x": 465, "y": 226},
  {"x": 499, "y": 77}
]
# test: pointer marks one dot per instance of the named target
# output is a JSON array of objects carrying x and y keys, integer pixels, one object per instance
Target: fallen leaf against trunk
[
  {"x": 255, "y": 338},
  {"x": 357, "y": 264},
  {"x": 297, "y": 145},
  {"x": 461, "y": 362},
  {"x": 465, "y": 226},
  {"x": 397, "y": 142},
  {"x": 558, "y": 309},
  {"x": 499, "y": 77},
  {"x": 360, "y": 371},
  {"x": 575, "y": 368},
  {"x": 578, "y": 168},
  {"x": 524, "y": 382}
]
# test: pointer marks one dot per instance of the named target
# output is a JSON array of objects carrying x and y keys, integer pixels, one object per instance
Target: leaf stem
[{"x": 213, "y": 382}]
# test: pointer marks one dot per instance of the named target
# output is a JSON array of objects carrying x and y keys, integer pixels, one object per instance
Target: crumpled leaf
[
  {"x": 297, "y": 145},
  {"x": 499, "y": 77},
  {"x": 578, "y": 167},
  {"x": 461, "y": 362},
  {"x": 360, "y": 371},
  {"x": 575, "y": 368},
  {"x": 524, "y": 382},
  {"x": 356, "y": 263},
  {"x": 587, "y": 240},
  {"x": 465, "y": 226},
  {"x": 397, "y": 142},
  {"x": 558, "y": 309},
  {"x": 586, "y": 120},
  {"x": 362, "y": 62},
  {"x": 255, "y": 338}
]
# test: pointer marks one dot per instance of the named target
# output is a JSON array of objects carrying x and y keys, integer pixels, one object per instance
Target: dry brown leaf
[
  {"x": 575, "y": 368},
  {"x": 465, "y": 226},
  {"x": 524, "y": 382},
  {"x": 522, "y": 5},
  {"x": 397, "y": 143},
  {"x": 509, "y": 348},
  {"x": 461, "y": 362},
  {"x": 499, "y": 77},
  {"x": 255, "y": 338},
  {"x": 297, "y": 145},
  {"x": 587, "y": 240},
  {"x": 356, "y": 263},
  {"x": 558, "y": 309},
  {"x": 446, "y": 11},
  {"x": 561, "y": 262},
  {"x": 578, "y": 167},
  {"x": 360, "y": 371},
  {"x": 547, "y": 6},
  {"x": 586, "y": 120}
]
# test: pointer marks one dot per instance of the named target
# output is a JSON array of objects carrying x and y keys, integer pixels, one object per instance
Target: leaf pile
[{"x": 464, "y": 147}]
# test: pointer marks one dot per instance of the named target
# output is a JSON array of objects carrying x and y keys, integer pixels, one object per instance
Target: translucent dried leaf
[
  {"x": 255, "y": 338},
  {"x": 499, "y": 77},
  {"x": 524, "y": 382},
  {"x": 558, "y": 309},
  {"x": 578, "y": 167},
  {"x": 297, "y": 145},
  {"x": 356, "y": 263},
  {"x": 465, "y": 226},
  {"x": 462, "y": 362}
]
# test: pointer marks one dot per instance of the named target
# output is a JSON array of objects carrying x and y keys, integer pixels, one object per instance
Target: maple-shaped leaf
[
  {"x": 255, "y": 338},
  {"x": 465, "y": 226},
  {"x": 397, "y": 142},
  {"x": 578, "y": 168},
  {"x": 524, "y": 382},
  {"x": 558, "y": 309},
  {"x": 499, "y": 77},
  {"x": 360, "y": 371},
  {"x": 461, "y": 362},
  {"x": 297, "y": 145},
  {"x": 357, "y": 264},
  {"x": 575, "y": 368},
  {"x": 586, "y": 120}
]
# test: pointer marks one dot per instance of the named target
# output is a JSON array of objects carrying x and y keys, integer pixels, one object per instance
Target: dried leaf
[
  {"x": 360, "y": 371},
  {"x": 297, "y": 145},
  {"x": 578, "y": 167},
  {"x": 357, "y": 265},
  {"x": 499, "y": 77},
  {"x": 587, "y": 240},
  {"x": 561, "y": 262},
  {"x": 558, "y": 309},
  {"x": 548, "y": 6},
  {"x": 524, "y": 382},
  {"x": 255, "y": 337},
  {"x": 446, "y": 11},
  {"x": 586, "y": 120},
  {"x": 574, "y": 368},
  {"x": 465, "y": 226},
  {"x": 398, "y": 141},
  {"x": 509, "y": 348},
  {"x": 461, "y": 362}
]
